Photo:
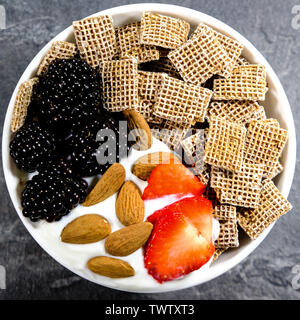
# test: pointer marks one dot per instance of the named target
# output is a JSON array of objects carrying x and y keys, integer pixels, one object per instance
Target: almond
[
  {"x": 130, "y": 208},
  {"x": 86, "y": 229},
  {"x": 127, "y": 240},
  {"x": 143, "y": 167},
  {"x": 107, "y": 185},
  {"x": 139, "y": 130},
  {"x": 110, "y": 267}
]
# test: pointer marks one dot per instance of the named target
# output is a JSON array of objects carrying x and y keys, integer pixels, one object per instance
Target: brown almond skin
[
  {"x": 139, "y": 129},
  {"x": 88, "y": 228},
  {"x": 107, "y": 185},
  {"x": 143, "y": 166},
  {"x": 130, "y": 207},
  {"x": 110, "y": 267},
  {"x": 125, "y": 241}
]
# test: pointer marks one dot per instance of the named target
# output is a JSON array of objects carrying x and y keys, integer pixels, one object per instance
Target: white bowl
[{"x": 276, "y": 105}]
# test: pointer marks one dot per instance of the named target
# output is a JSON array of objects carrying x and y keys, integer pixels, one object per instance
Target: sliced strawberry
[
  {"x": 197, "y": 209},
  {"x": 175, "y": 248},
  {"x": 167, "y": 179}
]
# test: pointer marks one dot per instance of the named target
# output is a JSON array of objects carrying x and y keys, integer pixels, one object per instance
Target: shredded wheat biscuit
[
  {"x": 193, "y": 147},
  {"x": 228, "y": 235},
  {"x": 224, "y": 212},
  {"x": 170, "y": 133},
  {"x": 148, "y": 85},
  {"x": 128, "y": 44},
  {"x": 163, "y": 31},
  {"x": 58, "y": 50},
  {"x": 218, "y": 252},
  {"x": 245, "y": 83},
  {"x": 264, "y": 143},
  {"x": 272, "y": 205},
  {"x": 239, "y": 189},
  {"x": 236, "y": 111},
  {"x": 200, "y": 57},
  {"x": 95, "y": 38},
  {"x": 120, "y": 85},
  {"x": 225, "y": 144},
  {"x": 22, "y": 102},
  {"x": 181, "y": 102},
  {"x": 231, "y": 46},
  {"x": 276, "y": 171}
]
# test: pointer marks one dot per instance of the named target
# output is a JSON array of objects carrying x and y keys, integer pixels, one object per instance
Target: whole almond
[
  {"x": 86, "y": 229},
  {"x": 107, "y": 185},
  {"x": 139, "y": 130},
  {"x": 110, "y": 267},
  {"x": 143, "y": 166},
  {"x": 130, "y": 208},
  {"x": 127, "y": 240}
]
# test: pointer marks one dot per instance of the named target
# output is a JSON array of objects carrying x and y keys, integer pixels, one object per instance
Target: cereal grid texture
[
  {"x": 193, "y": 147},
  {"x": 218, "y": 252},
  {"x": 203, "y": 176},
  {"x": 148, "y": 85},
  {"x": 170, "y": 133},
  {"x": 22, "y": 102},
  {"x": 245, "y": 83},
  {"x": 236, "y": 111},
  {"x": 240, "y": 189},
  {"x": 232, "y": 47},
  {"x": 181, "y": 102},
  {"x": 128, "y": 44},
  {"x": 200, "y": 57},
  {"x": 228, "y": 236},
  {"x": 120, "y": 85},
  {"x": 95, "y": 38},
  {"x": 58, "y": 50},
  {"x": 272, "y": 206},
  {"x": 225, "y": 212},
  {"x": 264, "y": 144},
  {"x": 163, "y": 31},
  {"x": 225, "y": 144}
]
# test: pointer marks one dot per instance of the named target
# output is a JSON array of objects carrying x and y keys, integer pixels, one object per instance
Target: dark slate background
[{"x": 267, "y": 272}]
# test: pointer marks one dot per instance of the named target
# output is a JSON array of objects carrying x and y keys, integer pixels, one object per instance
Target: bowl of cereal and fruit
[{"x": 149, "y": 148}]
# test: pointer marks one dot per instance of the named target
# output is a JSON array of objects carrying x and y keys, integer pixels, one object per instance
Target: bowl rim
[{"x": 189, "y": 14}]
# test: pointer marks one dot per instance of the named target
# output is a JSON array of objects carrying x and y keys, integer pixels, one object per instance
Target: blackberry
[
  {"x": 52, "y": 193},
  {"x": 32, "y": 147},
  {"x": 86, "y": 151},
  {"x": 67, "y": 95}
]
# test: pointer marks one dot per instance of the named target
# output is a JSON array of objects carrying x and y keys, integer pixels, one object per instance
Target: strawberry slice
[
  {"x": 167, "y": 179},
  {"x": 197, "y": 209},
  {"x": 175, "y": 248}
]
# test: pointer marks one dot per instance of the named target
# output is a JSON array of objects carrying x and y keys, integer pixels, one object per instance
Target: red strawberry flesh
[
  {"x": 175, "y": 248},
  {"x": 197, "y": 209},
  {"x": 169, "y": 179}
]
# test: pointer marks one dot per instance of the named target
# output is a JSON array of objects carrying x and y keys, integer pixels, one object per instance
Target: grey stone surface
[{"x": 267, "y": 272}]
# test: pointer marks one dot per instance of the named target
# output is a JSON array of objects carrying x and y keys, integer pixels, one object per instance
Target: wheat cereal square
[
  {"x": 96, "y": 39},
  {"x": 21, "y": 104},
  {"x": 181, "y": 102},
  {"x": 272, "y": 205},
  {"x": 163, "y": 31},
  {"x": 120, "y": 85},
  {"x": 225, "y": 144},
  {"x": 128, "y": 44}
]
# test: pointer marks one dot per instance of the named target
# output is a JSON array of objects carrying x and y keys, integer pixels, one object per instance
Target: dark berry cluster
[
  {"x": 52, "y": 193},
  {"x": 32, "y": 147},
  {"x": 67, "y": 95},
  {"x": 63, "y": 120}
]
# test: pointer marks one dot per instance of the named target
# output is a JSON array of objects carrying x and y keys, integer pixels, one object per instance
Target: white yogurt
[{"x": 75, "y": 257}]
